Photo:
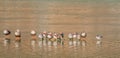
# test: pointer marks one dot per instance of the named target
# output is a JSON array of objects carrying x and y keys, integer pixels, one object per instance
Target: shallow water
[{"x": 94, "y": 17}]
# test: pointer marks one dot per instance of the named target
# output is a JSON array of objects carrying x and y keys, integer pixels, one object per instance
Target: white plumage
[
  {"x": 49, "y": 36},
  {"x": 33, "y": 32},
  {"x": 98, "y": 37},
  {"x": 5, "y": 31},
  {"x": 70, "y": 35},
  {"x": 40, "y": 36},
  {"x": 83, "y": 34},
  {"x": 74, "y": 36},
  {"x": 17, "y": 33}
]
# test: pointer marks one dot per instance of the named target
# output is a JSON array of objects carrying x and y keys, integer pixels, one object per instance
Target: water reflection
[
  {"x": 59, "y": 52},
  {"x": 6, "y": 44},
  {"x": 18, "y": 53}
]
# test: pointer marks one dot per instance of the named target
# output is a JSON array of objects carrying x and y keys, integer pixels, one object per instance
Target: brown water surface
[{"x": 93, "y": 17}]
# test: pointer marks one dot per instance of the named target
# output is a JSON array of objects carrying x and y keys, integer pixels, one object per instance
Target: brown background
[{"x": 92, "y": 16}]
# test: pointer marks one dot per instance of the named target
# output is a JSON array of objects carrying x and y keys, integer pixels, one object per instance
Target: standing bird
[
  {"x": 40, "y": 36},
  {"x": 78, "y": 39},
  {"x": 17, "y": 38},
  {"x": 34, "y": 38},
  {"x": 83, "y": 38},
  {"x": 54, "y": 39},
  {"x": 70, "y": 37},
  {"x": 99, "y": 39},
  {"x": 74, "y": 38},
  {"x": 44, "y": 38},
  {"x": 6, "y": 38},
  {"x": 62, "y": 38},
  {"x": 49, "y": 37}
]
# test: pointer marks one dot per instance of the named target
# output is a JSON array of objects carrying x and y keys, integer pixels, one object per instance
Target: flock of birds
[{"x": 50, "y": 39}]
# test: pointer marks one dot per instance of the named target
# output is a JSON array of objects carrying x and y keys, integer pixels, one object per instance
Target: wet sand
[{"x": 94, "y": 17}]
